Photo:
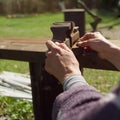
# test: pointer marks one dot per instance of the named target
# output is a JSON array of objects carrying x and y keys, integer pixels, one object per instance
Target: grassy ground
[
  {"x": 39, "y": 26},
  {"x": 31, "y": 26}
]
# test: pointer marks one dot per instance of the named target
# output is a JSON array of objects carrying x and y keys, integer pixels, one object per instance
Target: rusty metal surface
[{"x": 65, "y": 32}]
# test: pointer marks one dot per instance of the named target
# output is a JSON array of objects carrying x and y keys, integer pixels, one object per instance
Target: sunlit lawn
[{"x": 30, "y": 26}]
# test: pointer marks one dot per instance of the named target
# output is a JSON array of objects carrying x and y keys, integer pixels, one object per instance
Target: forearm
[{"x": 113, "y": 56}]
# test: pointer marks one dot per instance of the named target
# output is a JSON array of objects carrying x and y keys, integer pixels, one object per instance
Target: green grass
[
  {"x": 16, "y": 109},
  {"x": 39, "y": 26},
  {"x": 101, "y": 79},
  {"x": 14, "y": 66},
  {"x": 32, "y": 26}
]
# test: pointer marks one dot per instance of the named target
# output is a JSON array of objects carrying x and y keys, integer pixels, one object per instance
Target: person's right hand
[
  {"x": 96, "y": 42},
  {"x": 60, "y": 61}
]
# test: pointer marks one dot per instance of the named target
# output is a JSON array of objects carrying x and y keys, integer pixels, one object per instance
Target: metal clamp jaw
[{"x": 65, "y": 32}]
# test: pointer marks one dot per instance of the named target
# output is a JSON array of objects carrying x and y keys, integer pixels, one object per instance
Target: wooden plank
[
  {"x": 23, "y": 44},
  {"x": 92, "y": 60},
  {"x": 15, "y": 85},
  {"x": 17, "y": 77},
  {"x": 5, "y": 91},
  {"x": 23, "y": 49},
  {"x": 31, "y": 45},
  {"x": 29, "y": 56}
]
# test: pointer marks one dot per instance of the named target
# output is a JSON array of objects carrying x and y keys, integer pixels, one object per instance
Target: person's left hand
[{"x": 60, "y": 61}]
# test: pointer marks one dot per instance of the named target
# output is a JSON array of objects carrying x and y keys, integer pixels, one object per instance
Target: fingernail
[{"x": 57, "y": 43}]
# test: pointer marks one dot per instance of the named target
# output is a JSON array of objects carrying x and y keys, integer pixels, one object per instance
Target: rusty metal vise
[
  {"x": 65, "y": 32},
  {"x": 68, "y": 33}
]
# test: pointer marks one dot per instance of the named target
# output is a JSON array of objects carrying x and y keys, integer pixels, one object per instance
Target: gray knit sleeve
[{"x": 73, "y": 81}]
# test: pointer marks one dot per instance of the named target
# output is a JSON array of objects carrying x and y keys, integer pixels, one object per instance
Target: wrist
[
  {"x": 74, "y": 81},
  {"x": 68, "y": 75},
  {"x": 108, "y": 52},
  {"x": 111, "y": 52},
  {"x": 113, "y": 56}
]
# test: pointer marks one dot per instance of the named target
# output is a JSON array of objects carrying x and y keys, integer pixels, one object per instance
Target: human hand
[
  {"x": 96, "y": 42},
  {"x": 60, "y": 61}
]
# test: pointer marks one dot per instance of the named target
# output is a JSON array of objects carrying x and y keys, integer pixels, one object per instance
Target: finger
[
  {"x": 48, "y": 53},
  {"x": 62, "y": 45},
  {"x": 87, "y": 36},
  {"x": 83, "y": 44},
  {"x": 52, "y": 46}
]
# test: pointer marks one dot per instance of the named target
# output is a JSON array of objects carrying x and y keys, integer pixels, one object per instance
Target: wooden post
[
  {"x": 77, "y": 16},
  {"x": 45, "y": 88}
]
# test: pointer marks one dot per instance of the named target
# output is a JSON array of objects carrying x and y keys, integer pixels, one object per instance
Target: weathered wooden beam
[{"x": 90, "y": 59}]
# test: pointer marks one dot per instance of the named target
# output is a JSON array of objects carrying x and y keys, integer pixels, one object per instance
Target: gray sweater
[{"x": 80, "y": 101}]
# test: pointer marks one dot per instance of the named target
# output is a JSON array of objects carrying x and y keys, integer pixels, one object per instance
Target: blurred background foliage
[{"x": 10, "y": 7}]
